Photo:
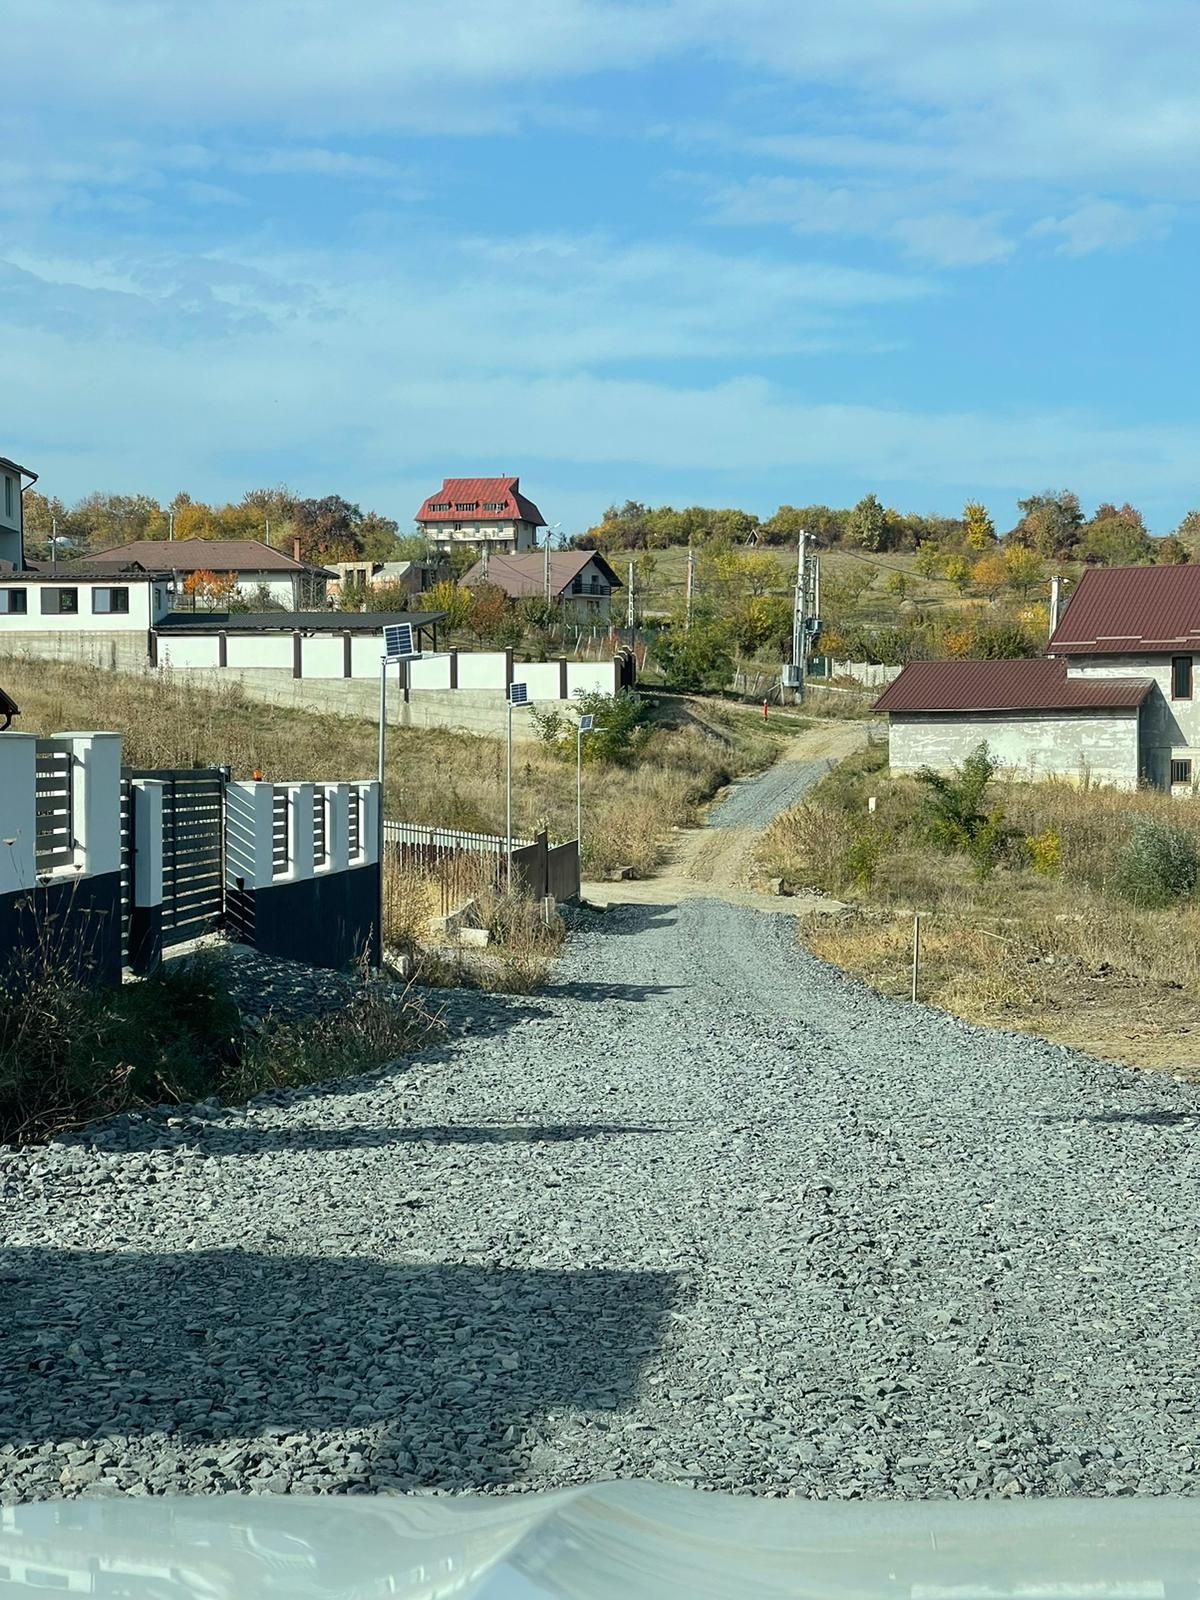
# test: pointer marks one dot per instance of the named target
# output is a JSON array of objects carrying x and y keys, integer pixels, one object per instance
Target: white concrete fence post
[
  {"x": 18, "y": 811},
  {"x": 368, "y": 824},
  {"x": 337, "y": 826},
  {"x": 147, "y": 801},
  {"x": 249, "y": 828},
  {"x": 300, "y": 831},
  {"x": 95, "y": 800}
]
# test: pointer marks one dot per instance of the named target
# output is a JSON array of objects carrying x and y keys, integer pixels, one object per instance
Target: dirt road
[{"x": 717, "y": 860}]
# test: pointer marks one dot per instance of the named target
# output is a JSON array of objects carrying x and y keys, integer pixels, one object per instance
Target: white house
[
  {"x": 580, "y": 585},
  {"x": 80, "y": 600},
  {"x": 1115, "y": 700},
  {"x": 257, "y": 569},
  {"x": 12, "y": 523},
  {"x": 485, "y": 512}
]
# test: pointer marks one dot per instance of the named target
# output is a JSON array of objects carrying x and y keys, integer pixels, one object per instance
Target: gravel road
[{"x": 705, "y": 1211}]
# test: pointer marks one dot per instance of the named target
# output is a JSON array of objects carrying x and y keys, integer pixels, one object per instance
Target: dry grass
[
  {"x": 1057, "y": 953},
  {"x": 441, "y": 778}
]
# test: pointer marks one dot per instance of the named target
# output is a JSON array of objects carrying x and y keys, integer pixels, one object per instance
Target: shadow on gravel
[
  {"x": 627, "y": 916},
  {"x": 250, "y": 1140},
  {"x": 612, "y": 991},
  {"x": 1148, "y": 1119},
  {"x": 441, "y": 1368}
]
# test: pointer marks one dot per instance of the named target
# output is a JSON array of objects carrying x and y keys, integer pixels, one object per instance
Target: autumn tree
[
  {"x": 211, "y": 589},
  {"x": 1172, "y": 552},
  {"x": 489, "y": 608},
  {"x": 979, "y": 531},
  {"x": 868, "y": 524},
  {"x": 455, "y": 602},
  {"x": 1025, "y": 569},
  {"x": 990, "y": 574},
  {"x": 1050, "y": 523},
  {"x": 328, "y": 529}
]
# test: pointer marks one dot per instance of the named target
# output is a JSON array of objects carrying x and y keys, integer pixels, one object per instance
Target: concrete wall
[
  {"x": 467, "y": 710},
  {"x": 869, "y": 673},
  {"x": 1170, "y": 728},
  {"x": 114, "y": 652},
  {"x": 1101, "y": 745}
]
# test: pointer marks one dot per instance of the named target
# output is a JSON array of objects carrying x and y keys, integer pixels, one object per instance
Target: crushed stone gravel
[{"x": 705, "y": 1211}]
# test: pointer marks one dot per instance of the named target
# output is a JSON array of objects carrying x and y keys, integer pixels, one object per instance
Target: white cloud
[
  {"x": 926, "y": 231},
  {"x": 1104, "y": 225}
]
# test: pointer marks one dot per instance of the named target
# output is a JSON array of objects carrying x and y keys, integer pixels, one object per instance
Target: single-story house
[
  {"x": 1036, "y": 720},
  {"x": 82, "y": 599},
  {"x": 581, "y": 581},
  {"x": 1114, "y": 700},
  {"x": 256, "y": 568}
]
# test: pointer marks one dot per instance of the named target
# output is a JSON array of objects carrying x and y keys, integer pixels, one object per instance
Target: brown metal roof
[
  {"x": 1038, "y": 685},
  {"x": 203, "y": 555},
  {"x": 526, "y": 573},
  {"x": 1123, "y": 610}
]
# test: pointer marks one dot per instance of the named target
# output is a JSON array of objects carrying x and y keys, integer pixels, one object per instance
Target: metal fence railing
[
  {"x": 54, "y": 844},
  {"x": 428, "y": 838},
  {"x": 320, "y": 843},
  {"x": 354, "y": 824},
  {"x": 280, "y": 843}
]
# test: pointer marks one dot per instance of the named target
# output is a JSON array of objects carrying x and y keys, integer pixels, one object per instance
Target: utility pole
[
  {"x": 629, "y": 610},
  {"x": 54, "y": 545},
  {"x": 546, "y": 565},
  {"x": 1055, "y": 589},
  {"x": 267, "y": 536},
  {"x": 691, "y": 576},
  {"x": 799, "y": 631}
]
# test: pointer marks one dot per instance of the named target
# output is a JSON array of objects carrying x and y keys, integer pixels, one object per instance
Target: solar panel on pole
[
  {"x": 398, "y": 641},
  {"x": 518, "y": 694},
  {"x": 586, "y": 724}
]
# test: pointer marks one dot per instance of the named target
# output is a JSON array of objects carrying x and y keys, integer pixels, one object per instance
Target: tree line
[
  {"x": 1052, "y": 524},
  {"x": 329, "y": 528}
]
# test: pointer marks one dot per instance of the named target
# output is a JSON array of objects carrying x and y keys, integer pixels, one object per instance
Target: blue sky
[{"x": 731, "y": 252}]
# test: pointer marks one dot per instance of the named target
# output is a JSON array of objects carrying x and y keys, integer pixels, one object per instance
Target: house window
[
  {"x": 110, "y": 600},
  {"x": 13, "y": 602},
  {"x": 1181, "y": 772},
  {"x": 1181, "y": 677},
  {"x": 60, "y": 602},
  {"x": 467, "y": 505},
  {"x": 8, "y": 496},
  {"x": 439, "y": 505},
  {"x": 494, "y": 505}
]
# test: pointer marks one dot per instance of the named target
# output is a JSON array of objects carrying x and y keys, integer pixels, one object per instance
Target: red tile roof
[
  {"x": 480, "y": 492},
  {"x": 1123, "y": 610},
  {"x": 526, "y": 574},
  {"x": 1038, "y": 685}
]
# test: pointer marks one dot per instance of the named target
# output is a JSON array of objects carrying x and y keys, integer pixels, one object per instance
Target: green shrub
[
  {"x": 1159, "y": 864},
  {"x": 619, "y": 729},
  {"x": 861, "y": 861},
  {"x": 953, "y": 817}
]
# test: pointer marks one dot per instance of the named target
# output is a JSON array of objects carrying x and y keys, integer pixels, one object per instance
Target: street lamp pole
[
  {"x": 585, "y": 725},
  {"x": 518, "y": 695}
]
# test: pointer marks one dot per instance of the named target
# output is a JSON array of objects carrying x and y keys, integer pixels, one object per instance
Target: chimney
[{"x": 296, "y": 556}]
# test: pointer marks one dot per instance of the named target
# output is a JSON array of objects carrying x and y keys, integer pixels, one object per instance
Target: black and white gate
[{"x": 193, "y": 849}]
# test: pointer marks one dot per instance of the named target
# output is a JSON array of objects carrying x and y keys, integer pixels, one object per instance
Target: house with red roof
[
  {"x": 485, "y": 513},
  {"x": 1114, "y": 700}
]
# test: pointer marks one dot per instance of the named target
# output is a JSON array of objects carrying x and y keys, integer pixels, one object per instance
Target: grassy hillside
[
  {"x": 443, "y": 778},
  {"x": 1062, "y": 931}
]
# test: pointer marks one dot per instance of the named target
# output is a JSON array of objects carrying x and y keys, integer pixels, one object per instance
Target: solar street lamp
[
  {"x": 518, "y": 695},
  {"x": 585, "y": 725},
  {"x": 399, "y": 645}
]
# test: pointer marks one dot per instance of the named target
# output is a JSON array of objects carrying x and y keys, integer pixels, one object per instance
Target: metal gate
[{"x": 193, "y": 850}]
